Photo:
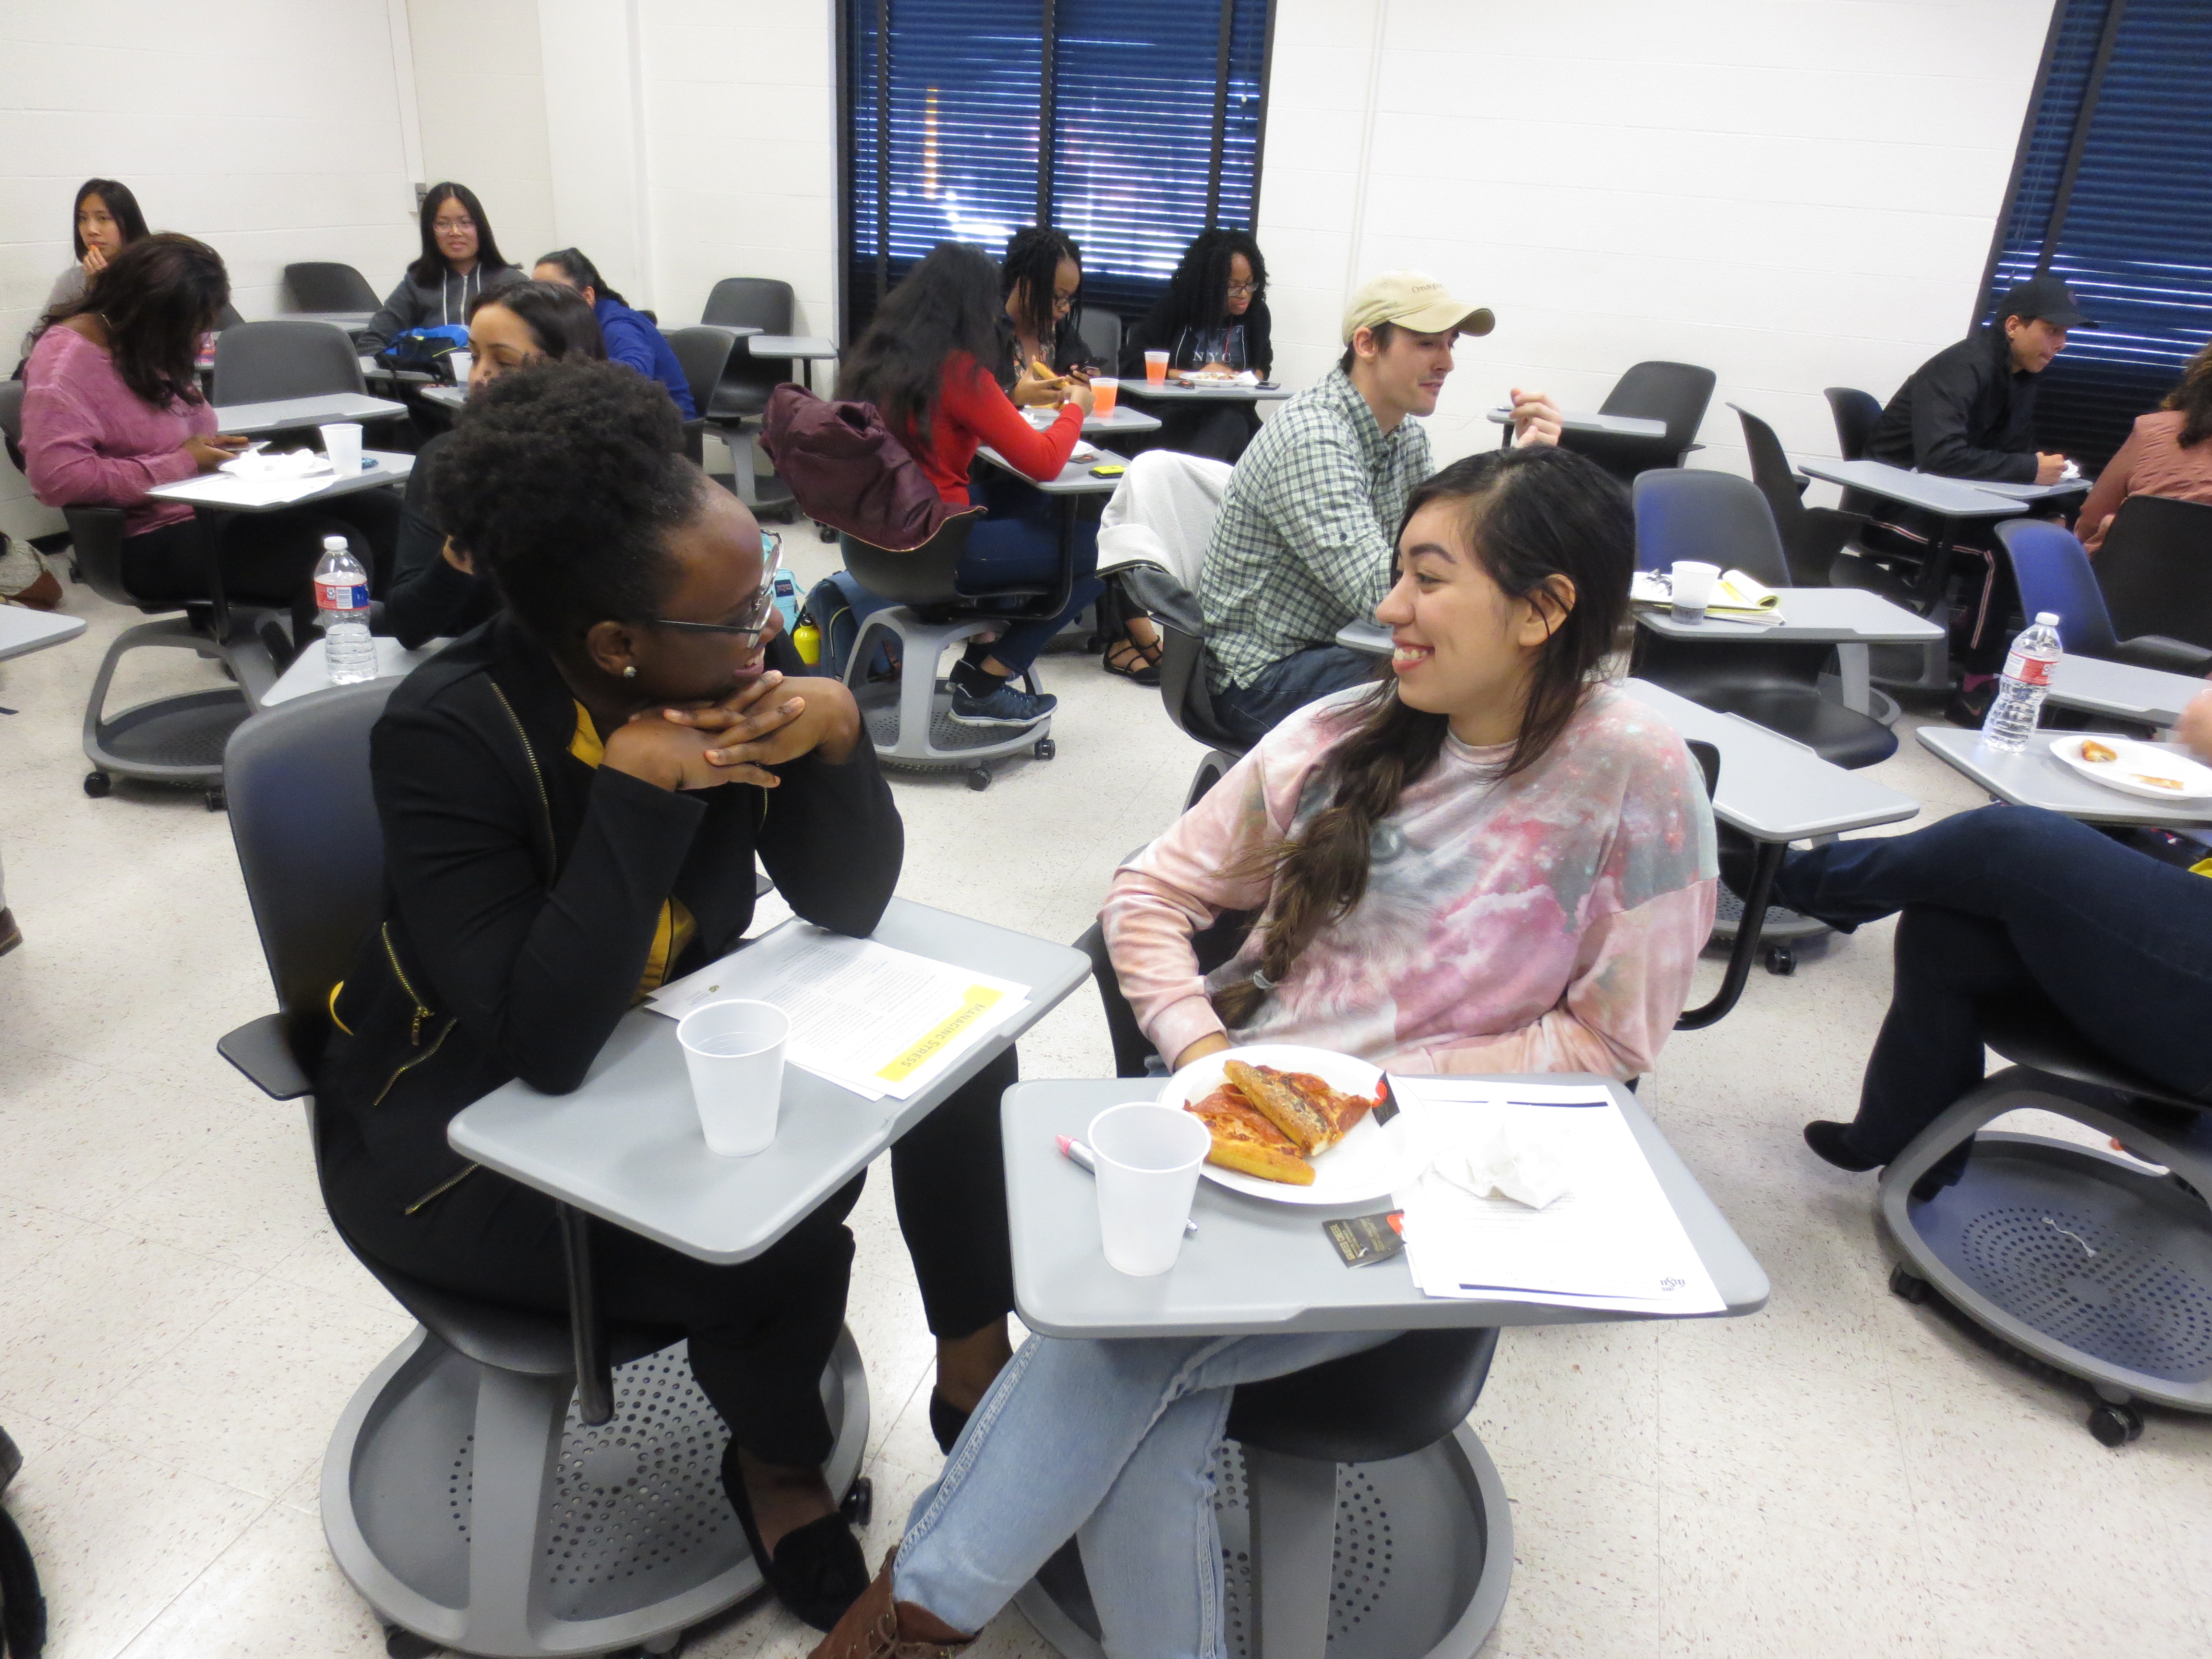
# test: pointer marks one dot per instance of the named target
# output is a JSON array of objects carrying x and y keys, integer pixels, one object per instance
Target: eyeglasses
[
  {"x": 453, "y": 224},
  {"x": 1062, "y": 304},
  {"x": 752, "y": 620},
  {"x": 1243, "y": 290}
]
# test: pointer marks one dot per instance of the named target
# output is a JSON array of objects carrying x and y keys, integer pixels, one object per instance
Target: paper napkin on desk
[{"x": 1507, "y": 1160}]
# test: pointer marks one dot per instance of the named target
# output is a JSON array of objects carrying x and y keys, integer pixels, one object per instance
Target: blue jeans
[
  {"x": 1110, "y": 1443},
  {"x": 2005, "y": 903},
  {"x": 1250, "y": 712},
  {"x": 1018, "y": 543}
]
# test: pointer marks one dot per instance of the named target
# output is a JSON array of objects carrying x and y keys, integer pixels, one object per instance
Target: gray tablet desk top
[
  {"x": 293, "y": 414},
  {"x": 23, "y": 630},
  {"x": 1253, "y": 1266},
  {"x": 2122, "y": 691},
  {"x": 2035, "y": 777}
]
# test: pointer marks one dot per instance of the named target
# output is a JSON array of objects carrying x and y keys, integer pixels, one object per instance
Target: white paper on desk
[
  {"x": 216, "y": 490},
  {"x": 865, "y": 1017},
  {"x": 1612, "y": 1241}
]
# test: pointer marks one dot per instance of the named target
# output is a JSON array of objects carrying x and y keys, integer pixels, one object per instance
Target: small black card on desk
[{"x": 1363, "y": 1239}]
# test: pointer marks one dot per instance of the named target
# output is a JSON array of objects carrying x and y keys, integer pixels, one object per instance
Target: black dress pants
[
  {"x": 760, "y": 1332},
  {"x": 2010, "y": 903}
]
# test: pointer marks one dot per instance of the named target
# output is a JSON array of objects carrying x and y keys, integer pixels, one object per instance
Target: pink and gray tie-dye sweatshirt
[{"x": 1549, "y": 923}]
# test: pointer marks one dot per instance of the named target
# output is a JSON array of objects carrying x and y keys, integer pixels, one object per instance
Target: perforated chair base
[
  {"x": 177, "y": 739},
  {"x": 2010, "y": 1245},
  {"x": 911, "y": 723},
  {"x": 1422, "y": 1558},
  {"x": 471, "y": 1505}
]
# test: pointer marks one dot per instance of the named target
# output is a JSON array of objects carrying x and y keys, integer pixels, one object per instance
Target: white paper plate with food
[
  {"x": 2152, "y": 770},
  {"x": 1294, "y": 1126}
]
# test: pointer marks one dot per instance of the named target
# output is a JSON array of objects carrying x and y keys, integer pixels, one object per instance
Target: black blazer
[{"x": 524, "y": 887}]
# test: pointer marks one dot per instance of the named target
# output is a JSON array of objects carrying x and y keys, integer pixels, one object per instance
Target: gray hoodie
[{"x": 417, "y": 305}]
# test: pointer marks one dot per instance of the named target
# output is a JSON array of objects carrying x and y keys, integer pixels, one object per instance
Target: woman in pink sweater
[
  {"x": 112, "y": 409},
  {"x": 1490, "y": 862}
]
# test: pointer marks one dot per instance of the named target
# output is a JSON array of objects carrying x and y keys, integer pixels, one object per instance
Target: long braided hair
[{"x": 1530, "y": 515}]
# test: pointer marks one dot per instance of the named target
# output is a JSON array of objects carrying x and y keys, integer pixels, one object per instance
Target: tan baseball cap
[{"x": 1414, "y": 300}]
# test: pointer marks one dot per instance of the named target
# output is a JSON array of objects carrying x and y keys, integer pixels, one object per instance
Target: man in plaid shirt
[{"x": 1303, "y": 543}]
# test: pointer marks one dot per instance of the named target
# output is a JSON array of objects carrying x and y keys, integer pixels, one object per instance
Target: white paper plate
[
  {"x": 1368, "y": 1164},
  {"x": 2138, "y": 757}
]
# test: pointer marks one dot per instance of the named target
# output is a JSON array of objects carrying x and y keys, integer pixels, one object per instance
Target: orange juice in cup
[
  {"x": 1103, "y": 390},
  {"x": 1156, "y": 368}
]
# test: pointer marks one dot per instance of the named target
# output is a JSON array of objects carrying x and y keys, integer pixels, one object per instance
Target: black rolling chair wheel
[
  {"x": 216, "y": 800},
  {"x": 400, "y": 1643},
  {"x": 859, "y": 1502},
  {"x": 1781, "y": 960},
  {"x": 1908, "y": 1287},
  {"x": 1046, "y": 748},
  {"x": 2116, "y": 1425},
  {"x": 97, "y": 784},
  {"x": 980, "y": 779}
]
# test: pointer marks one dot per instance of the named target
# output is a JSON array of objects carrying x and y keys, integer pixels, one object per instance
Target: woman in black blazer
[{"x": 571, "y": 796}]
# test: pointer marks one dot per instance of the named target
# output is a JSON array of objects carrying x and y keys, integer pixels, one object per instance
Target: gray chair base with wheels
[
  {"x": 911, "y": 724},
  {"x": 507, "y": 1482},
  {"x": 1360, "y": 1517},
  {"x": 2082, "y": 1259}
]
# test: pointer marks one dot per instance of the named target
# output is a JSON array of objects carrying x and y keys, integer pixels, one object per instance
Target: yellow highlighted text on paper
[{"x": 975, "y": 1002}]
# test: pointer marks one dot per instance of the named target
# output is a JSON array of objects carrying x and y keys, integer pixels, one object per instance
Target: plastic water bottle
[
  {"x": 341, "y": 605},
  {"x": 2011, "y": 720}
]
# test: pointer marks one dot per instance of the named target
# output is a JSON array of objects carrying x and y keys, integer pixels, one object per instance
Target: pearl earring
[{"x": 630, "y": 672}]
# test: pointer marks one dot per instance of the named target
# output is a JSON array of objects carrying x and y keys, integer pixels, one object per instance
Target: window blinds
[
  {"x": 2114, "y": 193},
  {"x": 1153, "y": 106}
]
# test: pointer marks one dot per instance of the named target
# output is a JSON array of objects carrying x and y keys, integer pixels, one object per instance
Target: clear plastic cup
[
  {"x": 734, "y": 1052},
  {"x": 1148, "y": 1157},
  {"x": 342, "y": 443},
  {"x": 1693, "y": 582},
  {"x": 1103, "y": 391},
  {"x": 1156, "y": 368}
]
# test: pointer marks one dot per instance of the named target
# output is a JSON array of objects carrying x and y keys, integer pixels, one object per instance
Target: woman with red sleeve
[{"x": 923, "y": 364}]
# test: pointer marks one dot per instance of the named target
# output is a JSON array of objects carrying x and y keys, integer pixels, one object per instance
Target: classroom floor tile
[{"x": 1841, "y": 1474}]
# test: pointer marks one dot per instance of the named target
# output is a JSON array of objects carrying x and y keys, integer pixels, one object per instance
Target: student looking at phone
[
  {"x": 113, "y": 409},
  {"x": 1040, "y": 285},
  {"x": 1491, "y": 862}
]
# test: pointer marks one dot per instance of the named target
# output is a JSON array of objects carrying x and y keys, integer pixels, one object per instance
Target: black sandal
[{"x": 1141, "y": 665}]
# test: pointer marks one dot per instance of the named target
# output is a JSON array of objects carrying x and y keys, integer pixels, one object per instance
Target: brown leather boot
[{"x": 877, "y": 1627}]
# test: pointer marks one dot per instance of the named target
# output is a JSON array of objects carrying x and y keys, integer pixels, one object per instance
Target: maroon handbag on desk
[{"x": 846, "y": 471}]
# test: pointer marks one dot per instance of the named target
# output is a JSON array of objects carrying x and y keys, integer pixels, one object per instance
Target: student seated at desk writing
[
  {"x": 1220, "y": 283},
  {"x": 1490, "y": 863},
  {"x": 2004, "y": 904},
  {"x": 112, "y": 409},
  {"x": 924, "y": 364},
  {"x": 434, "y": 589},
  {"x": 460, "y": 260},
  {"x": 572, "y": 797}
]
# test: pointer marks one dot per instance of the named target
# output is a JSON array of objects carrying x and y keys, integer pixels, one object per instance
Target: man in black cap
[{"x": 1966, "y": 411}]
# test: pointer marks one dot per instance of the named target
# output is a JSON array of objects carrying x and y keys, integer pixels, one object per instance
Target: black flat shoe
[
  {"x": 946, "y": 1421},
  {"x": 1826, "y": 1139},
  {"x": 817, "y": 1569}
]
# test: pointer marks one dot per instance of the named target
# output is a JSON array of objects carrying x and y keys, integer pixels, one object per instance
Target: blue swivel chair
[{"x": 2055, "y": 574}]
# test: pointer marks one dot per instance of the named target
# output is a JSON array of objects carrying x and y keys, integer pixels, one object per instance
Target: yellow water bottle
[{"x": 806, "y": 640}]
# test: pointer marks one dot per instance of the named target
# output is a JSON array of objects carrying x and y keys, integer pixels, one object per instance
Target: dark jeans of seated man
[
  {"x": 1249, "y": 713},
  {"x": 2003, "y": 903}
]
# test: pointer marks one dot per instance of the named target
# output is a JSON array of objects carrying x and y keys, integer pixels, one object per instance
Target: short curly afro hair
[{"x": 562, "y": 481}]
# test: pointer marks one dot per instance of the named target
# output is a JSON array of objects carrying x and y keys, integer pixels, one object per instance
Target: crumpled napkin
[
  {"x": 275, "y": 463},
  {"x": 1508, "y": 1161}
]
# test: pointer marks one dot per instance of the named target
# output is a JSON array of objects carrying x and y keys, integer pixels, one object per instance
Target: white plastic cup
[
  {"x": 1148, "y": 1157},
  {"x": 1104, "y": 391},
  {"x": 462, "y": 362},
  {"x": 342, "y": 443},
  {"x": 1156, "y": 368},
  {"x": 734, "y": 1052},
  {"x": 1693, "y": 582}
]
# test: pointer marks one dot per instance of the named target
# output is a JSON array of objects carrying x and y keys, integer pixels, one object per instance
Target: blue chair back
[
  {"x": 2054, "y": 574},
  {"x": 1713, "y": 516}
]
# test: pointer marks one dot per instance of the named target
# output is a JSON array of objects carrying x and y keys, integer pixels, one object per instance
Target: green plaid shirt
[{"x": 1304, "y": 542}]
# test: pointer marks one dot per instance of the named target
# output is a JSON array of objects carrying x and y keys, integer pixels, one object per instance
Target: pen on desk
[{"x": 1082, "y": 1157}]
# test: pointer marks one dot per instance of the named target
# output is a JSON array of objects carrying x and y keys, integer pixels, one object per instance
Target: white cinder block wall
[
  {"x": 270, "y": 129},
  {"x": 1794, "y": 193}
]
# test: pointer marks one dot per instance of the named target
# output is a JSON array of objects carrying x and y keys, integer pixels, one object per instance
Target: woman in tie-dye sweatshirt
[{"x": 1491, "y": 862}]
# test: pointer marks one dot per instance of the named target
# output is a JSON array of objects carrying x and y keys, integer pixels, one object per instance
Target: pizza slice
[
  {"x": 1282, "y": 1105},
  {"x": 1246, "y": 1141},
  {"x": 1336, "y": 1109}
]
